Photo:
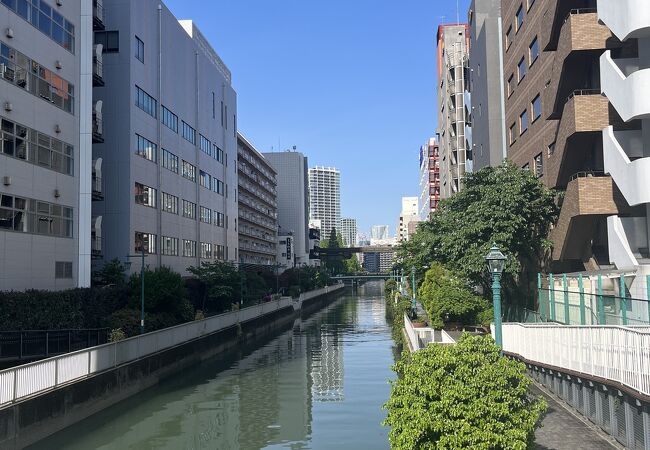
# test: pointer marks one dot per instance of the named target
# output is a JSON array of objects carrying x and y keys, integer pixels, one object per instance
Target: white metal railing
[
  {"x": 619, "y": 354},
  {"x": 35, "y": 378},
  {"x": 414, "y": 343}
]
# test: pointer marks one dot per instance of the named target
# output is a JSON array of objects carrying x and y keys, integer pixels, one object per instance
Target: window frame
[{"x": 139, "y": 49}]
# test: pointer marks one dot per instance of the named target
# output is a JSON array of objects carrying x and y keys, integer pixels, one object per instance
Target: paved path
[{"x": 563, "y": 429}]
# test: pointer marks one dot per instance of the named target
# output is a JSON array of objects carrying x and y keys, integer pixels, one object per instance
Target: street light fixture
[{"x": 496, "y": 262}]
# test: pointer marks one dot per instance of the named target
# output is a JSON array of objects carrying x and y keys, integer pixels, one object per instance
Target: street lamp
[
  {"x": 142, "y": 255},
  {"x": 496, "y": 261}
]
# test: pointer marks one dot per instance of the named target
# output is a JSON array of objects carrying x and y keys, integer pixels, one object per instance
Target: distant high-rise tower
[
  {"x": 408, "y": 217},
  {"x": 349, "y": 232},
  {"x": 379, "y": 232},
  {"x": 325, "y": 198}
]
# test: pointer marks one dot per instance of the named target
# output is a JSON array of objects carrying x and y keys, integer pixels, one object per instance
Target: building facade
[
  {"x": 409, "y": 215},
  {"x": 429, "y": 179},
  {"x": 45, "y": 147},
  {"x": 379, "y": 233},
  {"x": 257, "y": 202},
  {"x": 454, "y": 108},
  {"x": 293, "y": 199},
  {"x": 325, "y": 198},
  {"x": 486, "y": 84},
  {"x": 285, "y": 253},
  {"x": 169, "y": 141},
  {"x": 349, "y": 232}
]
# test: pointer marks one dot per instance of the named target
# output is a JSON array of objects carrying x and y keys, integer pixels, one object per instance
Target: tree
[
  {"x": 221, "y": 284},
  {"x": 447, "y": 298},
  {"x": 461, "y": 396},
  {"x": 334, "y": 263},
  {"x": 112, "y": 273},
  {"x": 505, "y": 205}
]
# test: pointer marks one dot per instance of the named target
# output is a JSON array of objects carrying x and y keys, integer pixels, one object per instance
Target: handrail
[
  {"x": 580, "y": 92},
  {"x": 576, "y": 11},
  {"x": 25, "y": 381},
  {"x": 588, "y": 174}
]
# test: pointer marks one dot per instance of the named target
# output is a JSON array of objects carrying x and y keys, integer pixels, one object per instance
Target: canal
[{"x": 318, "y": 386}]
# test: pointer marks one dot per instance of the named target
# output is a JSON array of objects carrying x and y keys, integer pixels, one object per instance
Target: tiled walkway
[{"x": 563, "y": 430}]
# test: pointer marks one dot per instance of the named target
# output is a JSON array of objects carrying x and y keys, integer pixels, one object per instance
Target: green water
[{"x": 318, "y": 386}]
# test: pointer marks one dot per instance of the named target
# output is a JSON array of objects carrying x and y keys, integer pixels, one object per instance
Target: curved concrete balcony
[
  {"x": 627, "y": 88},
  {"x": 626, "y": 18},
  {"x": 620, "y": 253},
  {"x": 631, "y": 177}
]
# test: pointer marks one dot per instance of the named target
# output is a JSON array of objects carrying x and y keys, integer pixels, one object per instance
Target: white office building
[{"x": 325, "y": 198}]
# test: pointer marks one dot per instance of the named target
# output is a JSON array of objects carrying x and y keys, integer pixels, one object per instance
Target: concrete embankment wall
[{"x": 32, "y": 419}]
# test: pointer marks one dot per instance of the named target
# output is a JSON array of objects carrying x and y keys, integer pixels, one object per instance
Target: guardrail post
[
  {"x": 551, "y": 287},
  {"x": 567, "y": 319},
  {"x": 583, "y": 320},
  {"x": 47, "y": 344},
  {"x": 539, "y": 296},
  {"x": 601, "y": 306},
  {"x": 623, "y": 299},
  {"x": 20, "y": 333}
]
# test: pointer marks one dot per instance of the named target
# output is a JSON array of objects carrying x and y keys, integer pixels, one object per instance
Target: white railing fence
[
  {"x": 35, "y": 378},
  {"x": 619, "y": 354}
]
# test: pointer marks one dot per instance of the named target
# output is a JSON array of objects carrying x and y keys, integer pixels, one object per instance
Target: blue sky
[{"x": 351, "y": 83}]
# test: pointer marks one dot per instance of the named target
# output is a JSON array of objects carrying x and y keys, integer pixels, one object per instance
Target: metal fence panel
[
  {"x": 72, "y": 366},
  {"x": 36, "y": 377}
]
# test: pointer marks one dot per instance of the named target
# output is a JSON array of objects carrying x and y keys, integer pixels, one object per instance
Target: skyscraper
[
  {"x": 349, "y": 232},
  {"x": 379, "y": 232},
  {"x": 408, "y": 215},
  {"x": 325, "y": 198}
]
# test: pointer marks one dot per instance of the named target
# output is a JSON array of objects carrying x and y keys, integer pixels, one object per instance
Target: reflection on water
[{"x": 318, "y": 386}]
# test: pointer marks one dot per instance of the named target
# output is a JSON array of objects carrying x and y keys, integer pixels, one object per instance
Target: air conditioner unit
[
  {"x": 8, "y": 106},
  {"x": 57, "y": 194},
  {"x": 6, "y": 180},
  {"x": 9, "y": 32}
]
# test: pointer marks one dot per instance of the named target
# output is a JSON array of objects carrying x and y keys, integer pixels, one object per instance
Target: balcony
[
  {"x": 627, "y": 87},
  {"x": 586, "y": 114},
  {"x": 98, "y": 126},
  {"x": 626, "y": 18},
  {"x": 96, "y": 240},
  {"x": 589, "y": 198},
  {"x": 98, "y": 15},
  {"x": 557, "y": 15},
  {"x": 575, "y": 64},
  {"x": 98, "y": 67},
  {"x": 631, "y": 176},
  {"x": 97, "y": 188}
]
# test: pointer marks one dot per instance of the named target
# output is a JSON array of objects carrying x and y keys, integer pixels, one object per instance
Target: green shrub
[
  {"x": 461, "y": 396},
  {"x": 116, "y": 335}
]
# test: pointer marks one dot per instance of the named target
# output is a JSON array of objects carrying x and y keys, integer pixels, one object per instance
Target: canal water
[{"x": 319, "y": 386}]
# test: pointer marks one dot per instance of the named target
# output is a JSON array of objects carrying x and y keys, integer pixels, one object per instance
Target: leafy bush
[
  {"x": 461, "y": 396},
  {"x": 116, "y": 335},
  {"x": 447, "y": 298},
  {"x": 164, "y": 294}
]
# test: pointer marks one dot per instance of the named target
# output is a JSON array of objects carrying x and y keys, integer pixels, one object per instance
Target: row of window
[
  {"x": 146, "y": 102},
  {"x": 27, "y": 215},
  {"x": 46, "y": 19},
  {"x": 29, "y": 75},
  {"x": 147, "y": 196},
  {"x": 524, "y": 64},
  {"x": 169, "y": 246},
  {"x": 24, "y": 143},
  {"x": 538, "y": 165},
  {"x": 536, "y": 110},
  {"x": 518, "y": 22}
]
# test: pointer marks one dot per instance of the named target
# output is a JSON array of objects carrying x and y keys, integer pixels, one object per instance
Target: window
[
  {"x": 214, "y": 107},
  {"x": 169, "y": 119},
  {"x": 189, "y": 248},
  {"x": 551, "y": 149},
  {"x": 205, "y": 215},
  {"x": 26, "y": 215},
  {"x": 189, "y": 209},
  {"x": 27, "y": 74},
  {"x": 511, "y": 85},
  {"x": 110, "y": 41},
  {"x": 146, "y": 102},
  {"x": 169, "y": 203},
  {"x": 523, "y": 122},
  {"x": 18, "y": 141},
  {"x": 139, "y": 49},
  {"x": 146, "y": 148},
  {"x": 205, "y": 145},
  {"x": 145, "y": 195},
  {"x": 169, "y": 246},
  {"x": 220, "y": 252},
  {"x": 206, "y": 250},
  {"x": 533, "y": 51},
  {"x": 189, "y": 171},
  {"x": 219, "y": 219},
  {"x": 189, "y": 133},
  {"x": 508, "y": 38},
  {"x": 45, "y": 18},
  {"x": 522, "y": 69},
  {"x": 205, "y": 180},
  {"x": 169, "y": 161},
  {"x": 536, "y": 106},
  {"x": 519, "y": 18},
  {"x": 63, "y": 270},
  {"x": 512, "y": 134},
  {"x": 539, "y": 166},
  {"x": 526, "y": 166},
  {"x": 530, "y": 4},
  {"x": 217, "y": 186},
  {"x": 217, "y": 153},
  {"x": 146, "y": 242}
]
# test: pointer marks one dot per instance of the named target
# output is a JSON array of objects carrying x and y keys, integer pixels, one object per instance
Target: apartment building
[
  {"x": 486, "y": 84},
  {"x": 454, "y": 108},
  {"x": 168, "y": 142},
  {"x": 257, "y": 201},
  {"x": 325, "y": 198},
  {"x": 429, "y": 179},
  {"x": 408, "y": 218},
  {"x": 45, "y": 144},
  {"x": 349, "y": 232},
  {"x": 293, "y": 199}
]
